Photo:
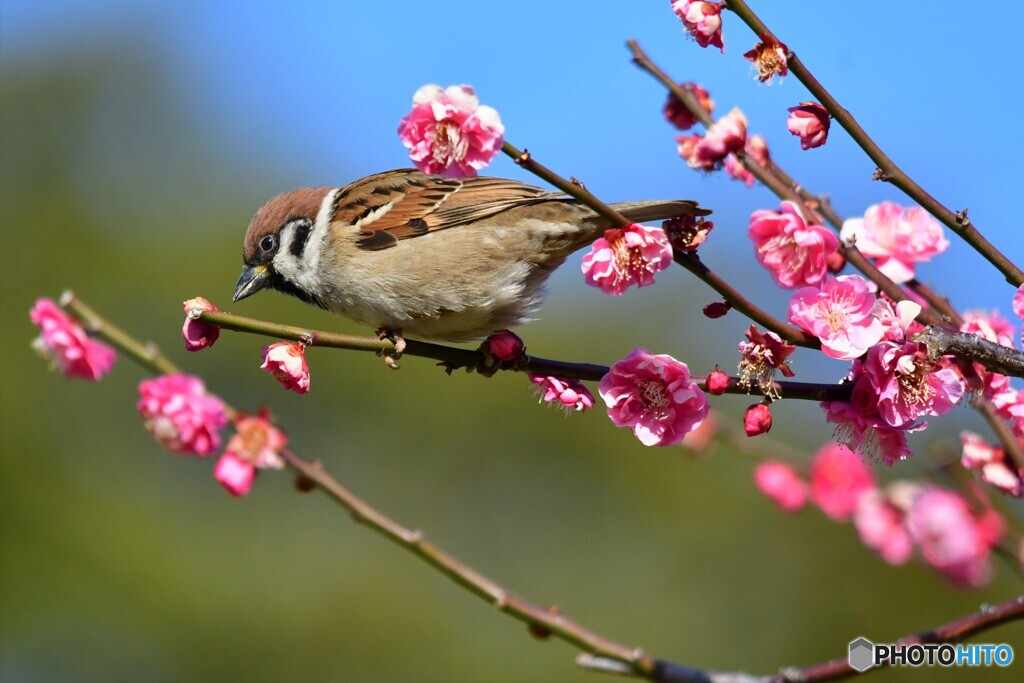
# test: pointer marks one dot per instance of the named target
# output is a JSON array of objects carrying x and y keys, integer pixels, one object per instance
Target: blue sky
[{"x": 314, "y": 91}]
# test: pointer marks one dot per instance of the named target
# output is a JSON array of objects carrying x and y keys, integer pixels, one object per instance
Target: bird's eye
[{"x": 267, "y": 243}]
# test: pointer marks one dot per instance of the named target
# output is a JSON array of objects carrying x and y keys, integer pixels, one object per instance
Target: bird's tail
[{"x": 659, "y": 209}]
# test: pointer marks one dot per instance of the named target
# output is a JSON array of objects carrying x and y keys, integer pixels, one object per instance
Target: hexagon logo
[{"x": 862, "y": 654}]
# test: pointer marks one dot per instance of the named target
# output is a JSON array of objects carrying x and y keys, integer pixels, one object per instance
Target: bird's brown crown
[{"x": 272, "y": 216}]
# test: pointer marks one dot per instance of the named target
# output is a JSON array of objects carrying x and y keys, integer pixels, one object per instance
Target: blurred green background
[{"x": 129, "y": 171}]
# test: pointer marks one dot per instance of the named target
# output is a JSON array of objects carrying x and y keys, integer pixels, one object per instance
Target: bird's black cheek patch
[{"x": 301, "y": 237}]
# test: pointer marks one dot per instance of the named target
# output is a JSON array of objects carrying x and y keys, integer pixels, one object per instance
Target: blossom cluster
[
  {"x": 187, "y": 420},
  {"x": 952, "y": 536}
]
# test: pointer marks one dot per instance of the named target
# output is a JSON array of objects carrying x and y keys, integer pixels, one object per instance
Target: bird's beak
[{"x": 252, "y": 280}]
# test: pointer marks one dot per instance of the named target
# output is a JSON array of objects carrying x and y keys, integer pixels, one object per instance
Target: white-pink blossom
[
  {"x": 896, "y": 237},
  {"x": 840, "y": 314}
]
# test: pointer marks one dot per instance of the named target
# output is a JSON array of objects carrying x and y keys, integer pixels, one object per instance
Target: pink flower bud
[
  {"x": 716, "y": 309},
  {"x": 780, "y": 482},
  {"x": 835, "y": 262},
  {"x": 287, "y": 362},
  {"x": 810, "y": 121},
  {"x": 506, "y": 346},
  {"x": 677, "y": 113},
  {"x": 716, "y": 382},
  {"x": 234, "y": 474},
  {"x": 757, "y": 419},
  {"x": 66, "y": 344},
  {"x": 198, "y": 335}
]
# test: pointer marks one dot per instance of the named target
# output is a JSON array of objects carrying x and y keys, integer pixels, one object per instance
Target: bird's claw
[
  {"x": 489, "y": 364},
  {"x": 395, "y": 337}
]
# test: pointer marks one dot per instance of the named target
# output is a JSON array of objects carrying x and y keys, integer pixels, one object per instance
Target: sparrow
[{"x": 431, "y": 257}]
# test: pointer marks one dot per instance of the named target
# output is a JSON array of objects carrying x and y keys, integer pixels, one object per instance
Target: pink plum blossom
[
  {"x": 677, "y": 113},
  {"x": 996, "y": 469},
  {"x": 66, "y": 344},
  {"x": 989, "y": 325},
  {"x": 908, "y": 385},
  {"x": 179, "y": 414},
  {"x": 727, "y": 135},
  {"x": 448, "y": 132},
  {"x": 762, "y": 354},
  {"x": 994, "y": 328},
  {"x": 757, "y": 149},
  {"x": 258, "y": 441},
  {"x": 569, "y": 394},
  {"x": 686, "y": 233},
  {"x": 737, "y": 171},
  {"x": 655, "y": 396},
  {"x": 838, "y": 480},
  {"x": 840, "y": 314},
  {"x": 880, "y": 525},
  {"x": 951, "y": 538},
  {"x": 757, "y": 152},
  {"x": 780, "y": 482},
  {"x": 627, "y": 256},
  {"x": 287, "y": 362},
  {"x": 769, "y": 59},
  {"x": 198, "y": 335},
  {"x": 795, "y": 253},
  {"x": 860, "y": 427},
  {"x": 811, "y": 122},
  {"x": 701, "y": 437},
  {"x": 757, "y": 419},
  {"x": 256, "y": 445},
  {"x": 686, "y": 145},
  {"x": 703, "y": 20},
  {"x": 506, "y": 346},
  {"x": 899, "y": 322},
  {"x": 235, "y": 474},
  {"x": 896, "y": 238}
]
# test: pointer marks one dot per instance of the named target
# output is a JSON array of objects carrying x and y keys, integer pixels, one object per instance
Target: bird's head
[{"x": 283, "y": 245}]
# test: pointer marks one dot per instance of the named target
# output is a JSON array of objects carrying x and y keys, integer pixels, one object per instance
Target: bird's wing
[{"x": 398, "y": 205}]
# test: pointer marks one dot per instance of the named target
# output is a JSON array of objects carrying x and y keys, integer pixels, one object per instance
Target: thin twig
[{"x": 454, "y": 358}]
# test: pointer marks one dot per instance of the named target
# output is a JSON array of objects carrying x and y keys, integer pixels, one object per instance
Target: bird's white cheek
[{"x": 297, "y": 271}]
